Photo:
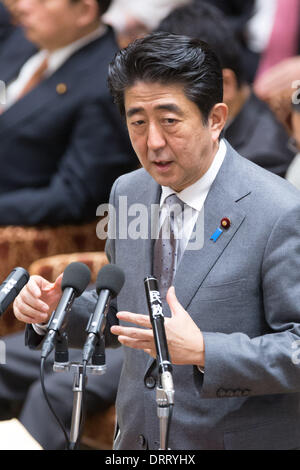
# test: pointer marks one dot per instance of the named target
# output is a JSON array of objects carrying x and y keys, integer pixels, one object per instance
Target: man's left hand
[{"x": 185, "y": 340}]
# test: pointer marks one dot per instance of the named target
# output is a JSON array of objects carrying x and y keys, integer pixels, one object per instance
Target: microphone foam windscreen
[
  {"x": 76, "y": 275},
  {"x": 110, "y": 277}
]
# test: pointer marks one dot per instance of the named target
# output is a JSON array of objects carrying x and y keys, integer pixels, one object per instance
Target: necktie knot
[{"x": 174, "y": 206}]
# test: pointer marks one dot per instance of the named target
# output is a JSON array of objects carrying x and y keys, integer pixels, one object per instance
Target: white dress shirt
[
  {"x": 55, "y": 60},
  {"x": 194, "y": 197}
]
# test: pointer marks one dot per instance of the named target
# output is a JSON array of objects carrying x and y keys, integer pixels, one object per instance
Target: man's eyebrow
[
  {"x": 165, "y": 107},
  {"x": 133, "y": 111},
  {"x": 170, "y": 107}
]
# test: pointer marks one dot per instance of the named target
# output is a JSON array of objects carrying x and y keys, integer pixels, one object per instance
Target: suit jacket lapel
[
  {"x": 196, "y": 266},
  {"x": 222, "y": 201}
]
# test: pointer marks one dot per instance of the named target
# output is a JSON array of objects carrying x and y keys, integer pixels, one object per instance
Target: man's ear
[
  {"x": 217, "y": 119},
  {"x": 89, "y": 12}
]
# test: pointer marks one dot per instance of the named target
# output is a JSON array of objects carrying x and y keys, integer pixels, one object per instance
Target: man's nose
[{"x": 156, "y": 138}]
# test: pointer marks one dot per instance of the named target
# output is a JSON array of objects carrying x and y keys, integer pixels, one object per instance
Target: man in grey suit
[{"x": 233, "y": 319}]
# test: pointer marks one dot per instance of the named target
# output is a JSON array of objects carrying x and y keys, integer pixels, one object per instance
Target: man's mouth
[{"x": 162, "y": 165}]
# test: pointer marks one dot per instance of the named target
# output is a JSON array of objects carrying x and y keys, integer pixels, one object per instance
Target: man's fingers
[
  {"x": 29, "y": 315},
  {"x": 135, "y": 333},
  {"x": 136, "y": 318},
  {"x": 33, "y": 287},
  {"x": 29, "y": 311},
  {"x": 134, "y": 343},
  {"x": 27, "y": 298}
]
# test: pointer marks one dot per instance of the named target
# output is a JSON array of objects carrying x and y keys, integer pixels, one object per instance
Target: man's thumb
[
  {"x": 56, "y": 285},
  {"x": 173, "y": 302}
]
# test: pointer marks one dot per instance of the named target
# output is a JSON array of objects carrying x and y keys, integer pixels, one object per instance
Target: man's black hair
[
  {"x": 169, "y": 59},
  {"x": 203, "y": 21},
  {"x": 103, "y": 5}
]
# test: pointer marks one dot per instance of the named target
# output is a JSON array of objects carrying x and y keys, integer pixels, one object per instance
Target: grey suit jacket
[{"x": 243, "y": 291}]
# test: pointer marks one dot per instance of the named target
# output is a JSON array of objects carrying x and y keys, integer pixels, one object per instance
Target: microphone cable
[{"x": 58, "y": 420}]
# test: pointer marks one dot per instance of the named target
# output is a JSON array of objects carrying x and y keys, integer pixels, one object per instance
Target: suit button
[
  {"x": 141, "y": 440},
  {"x": 221, "y": 393},
  {"x": 230, "y": 393},
  {"x": 238, "y": 393},
  {"x": 245, "y": 393},
  {"x": 150, "y": 382}
]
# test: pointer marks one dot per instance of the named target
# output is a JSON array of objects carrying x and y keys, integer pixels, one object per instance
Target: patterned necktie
[{"x": 166, "y": 247}]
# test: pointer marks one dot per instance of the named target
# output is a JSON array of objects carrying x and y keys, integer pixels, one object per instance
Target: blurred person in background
[
  {"x": 62, "y": 141},
  {"x": 274, "y": 33},
  {"x": 132, "y": 19},
  {"x": 63, "y": 144},
  {"x": 293, "y": 173},
  {"x": 251, "y": 129},
  {"x": 238, "y": 15}
]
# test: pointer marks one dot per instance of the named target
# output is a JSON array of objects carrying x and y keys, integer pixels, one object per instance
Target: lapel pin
[
  {"x": 61, "y": 88},
  {"x": 225, "y": 223},
  {"x": 216, "y": 235}
]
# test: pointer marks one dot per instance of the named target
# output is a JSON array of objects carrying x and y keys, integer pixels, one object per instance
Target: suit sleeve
[
  {"x": 98, "y": 152},
  {"x": 82, "y": 308},
  {"x": 268, "y": 364}
]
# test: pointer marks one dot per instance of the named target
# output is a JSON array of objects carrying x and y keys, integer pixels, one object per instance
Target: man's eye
[
  {"x": 138, "y": 123},
  {"x": 170, "y": 121}
]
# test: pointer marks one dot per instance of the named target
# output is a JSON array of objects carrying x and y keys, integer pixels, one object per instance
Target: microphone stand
[
  {"x": 165, "y": 388},
  {"x": 163, "y": 413},
  {"x": 96, "y": 367}
]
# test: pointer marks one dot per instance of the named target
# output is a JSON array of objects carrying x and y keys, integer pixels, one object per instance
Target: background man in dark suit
[
  {"x": 62, "y": 143},
  {"x": 252, "y": 128}
]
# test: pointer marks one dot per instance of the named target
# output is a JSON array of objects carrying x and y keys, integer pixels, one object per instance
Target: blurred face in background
[{"x": 52, "y": 24}]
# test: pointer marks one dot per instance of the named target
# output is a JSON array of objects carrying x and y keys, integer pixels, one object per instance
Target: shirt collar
[{"x": 195, "y": 195}]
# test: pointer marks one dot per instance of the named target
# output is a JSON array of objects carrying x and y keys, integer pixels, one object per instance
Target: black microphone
[
  {"x": 109, "y": 282},
  {"x": 75, "y": 280},
  {"x": 157, "y": 321},
  {"x": 11, "y": 287}
]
